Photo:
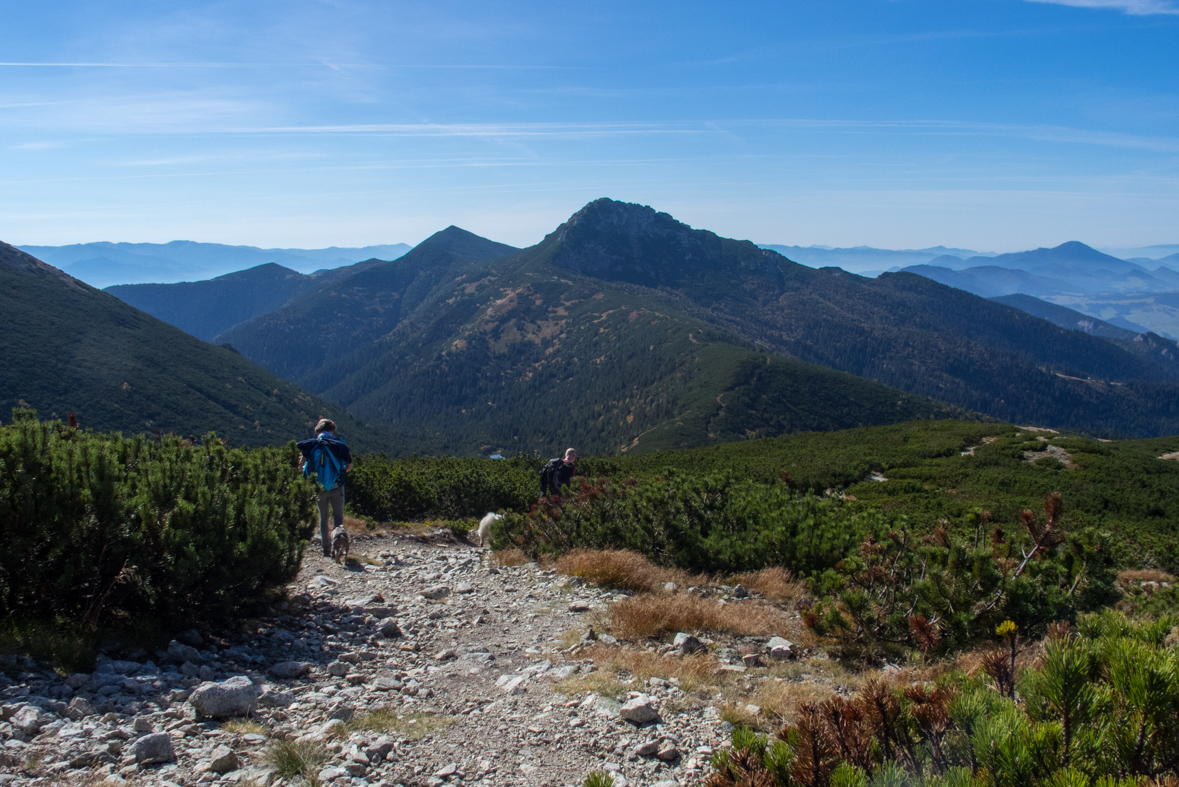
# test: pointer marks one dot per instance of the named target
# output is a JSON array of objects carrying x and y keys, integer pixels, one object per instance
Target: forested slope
[{"x": 68, "y": 347}]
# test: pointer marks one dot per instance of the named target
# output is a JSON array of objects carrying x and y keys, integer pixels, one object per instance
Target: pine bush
[{"x": 100, "y": 529}]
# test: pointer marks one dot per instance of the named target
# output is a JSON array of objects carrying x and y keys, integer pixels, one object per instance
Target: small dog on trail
[
  {"x": 340, "y": 543},
  {"x": 485, "y": 528}
]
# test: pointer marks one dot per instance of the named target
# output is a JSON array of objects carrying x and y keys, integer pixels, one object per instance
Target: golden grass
[
  {"x": 243, "y": 727},
  {"x": 776, "y": 584},
  {"x": 691, "y": 671},
  {"x": 620, "y": 569},
  {"x": 1138, "y": 576},
  {"x": 509, "y": 557},
  {"x": 598, "y": 682},
  {"x": 413, "y": 726},
  {"x": 650, "y": 615},
  {"x": 736, "y": 714},
  {"x": 780, "y": 700}
]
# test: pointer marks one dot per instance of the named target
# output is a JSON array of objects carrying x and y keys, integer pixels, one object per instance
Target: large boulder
[{"x": 233, "y": 697}]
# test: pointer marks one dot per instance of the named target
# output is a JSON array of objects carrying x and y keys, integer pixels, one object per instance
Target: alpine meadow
[{"x": 589, "y": 395}]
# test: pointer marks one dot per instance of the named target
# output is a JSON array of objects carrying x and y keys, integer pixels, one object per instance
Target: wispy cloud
[
  {"x": 1133, "y": 7},
  {"x": 1039, "y": 133},
  {"x": 38, "y": 145}
]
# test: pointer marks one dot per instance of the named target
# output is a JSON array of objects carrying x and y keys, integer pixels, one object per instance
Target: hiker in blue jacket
[{"x": 328, "y": 457}]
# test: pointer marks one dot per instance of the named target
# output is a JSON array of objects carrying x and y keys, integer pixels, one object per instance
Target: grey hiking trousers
[{"x": 333, "y": 497}]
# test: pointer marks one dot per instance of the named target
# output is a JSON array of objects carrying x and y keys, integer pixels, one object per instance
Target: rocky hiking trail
[{"x": 420, "y": 662}]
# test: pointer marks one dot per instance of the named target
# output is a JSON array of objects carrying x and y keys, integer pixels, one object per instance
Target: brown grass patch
[
  {"x": 649, "y": 615},
  {"x": 691, "y": 671},
  {"x": 509, "y": 557},
  {"x": 776, "y": 584},
  {"x": 780, "y": 700},
  {"x": 1138, "y": 576},
  {"x": 620, "y": 569}
]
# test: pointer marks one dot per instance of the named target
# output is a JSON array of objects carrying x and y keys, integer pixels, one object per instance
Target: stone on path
[
  {"x": 639, "y": 710},
  {"x": 390, "y": 630},
  {"x": 223, "y": 760},
  {"x": 156, "y": 747},
  {"x": 436, "y": 592},
  {"x": 286, "y": 670},
  {"x": 579, "y": 606},
  {"x": 781, "y": 649},
  {"x": 236, "y": 696},
  {"x": 688, "y": 643}
]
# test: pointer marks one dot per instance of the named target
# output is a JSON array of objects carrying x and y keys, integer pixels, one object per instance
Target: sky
[{"x": 995, "y": 125}]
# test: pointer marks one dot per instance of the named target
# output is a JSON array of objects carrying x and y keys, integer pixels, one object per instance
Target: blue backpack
[{"x": 322, "y": 461}]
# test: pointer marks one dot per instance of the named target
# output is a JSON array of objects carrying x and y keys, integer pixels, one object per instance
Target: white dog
[{"x": 485, "y": 528}]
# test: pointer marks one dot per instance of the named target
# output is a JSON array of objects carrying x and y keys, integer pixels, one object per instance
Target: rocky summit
[{"x": 423, "y": 664}]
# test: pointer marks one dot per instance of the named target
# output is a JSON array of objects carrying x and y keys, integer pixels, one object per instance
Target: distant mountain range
[
  {"x": 1074, "y": 275},
  {"x": 624, "y": 325},
  {"x": 866, "y": 260},
  {"x": 1144, "y": 252},
  {"x": 68, "y": 347},
  {"x": 105, "y": 264}
]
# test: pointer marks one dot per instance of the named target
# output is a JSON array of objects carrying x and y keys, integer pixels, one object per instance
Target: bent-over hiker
[
  {"x": 558, "y": 473},
  {"x": 328, "y": 457}
]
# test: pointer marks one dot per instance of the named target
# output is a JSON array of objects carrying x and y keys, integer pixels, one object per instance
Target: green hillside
[
  {"x": 207, "y": 308},
  {"x": 69, "y": 348},
  {"x": 490, "y": 354},
  {"x": 900, "y": 329},
  {"x": 604, "y": 333}
]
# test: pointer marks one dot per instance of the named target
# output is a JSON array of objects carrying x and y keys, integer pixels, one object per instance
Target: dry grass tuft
[
  {"x": 620, "y": 569},
  {"x": 295, "y": 758},
  {"x": 243, "y": 726},
  {"x": 1138, "y": 576},
  {"x": 509, "y": 557},
  {"x": 598, "y": 682},
  {"x": 649, "y": 615},
  {"x": 780, "y": 700},
  {"x": 691, "y": 671},
  {"x": 414, "y": 726},
  {"x": 776, "y": 584},
  {"x": 736, "y": 714}
]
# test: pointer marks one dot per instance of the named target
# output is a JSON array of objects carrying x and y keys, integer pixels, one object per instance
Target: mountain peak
[
  {"x": 622, "y": 241},
  {"x": 456, "y": 240}
]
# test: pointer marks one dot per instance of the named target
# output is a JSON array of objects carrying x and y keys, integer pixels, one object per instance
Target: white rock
[
  {"x": 436, "y": 592},
  {"x": 639, "y": 710},
  {"x": 29, "y": 720},
  {"x": 779, "y": 648},
  {"x": 513, "y": 685}
]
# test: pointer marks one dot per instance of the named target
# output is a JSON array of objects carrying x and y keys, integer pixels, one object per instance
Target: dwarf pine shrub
[
  {"x": 1100, "y": 709},
  {"x": 100, "y": 529}
]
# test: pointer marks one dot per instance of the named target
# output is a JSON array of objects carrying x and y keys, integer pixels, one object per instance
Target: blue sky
[{"x": 997, "y": 125}]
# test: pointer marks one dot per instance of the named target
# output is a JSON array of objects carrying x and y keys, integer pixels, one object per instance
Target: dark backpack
[{"x": 549, "y": 477}]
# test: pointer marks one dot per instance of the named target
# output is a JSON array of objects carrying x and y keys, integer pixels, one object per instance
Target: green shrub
[
  {"x": 710, "y": 523},
  {"x": 945, "y": 589},
  {"x": 99, "y": 529},
  {"x": 1100, "y": 710}
]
